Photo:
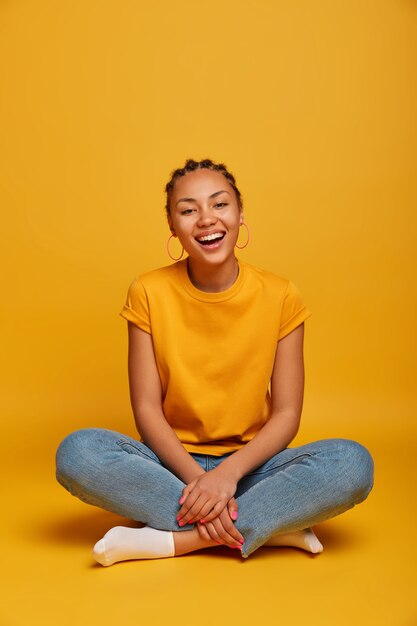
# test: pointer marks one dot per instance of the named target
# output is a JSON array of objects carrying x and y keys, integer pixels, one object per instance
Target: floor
[{"x": 366, "y": 574}]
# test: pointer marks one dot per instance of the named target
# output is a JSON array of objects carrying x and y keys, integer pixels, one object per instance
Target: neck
[{"x": 214, "y": 278}]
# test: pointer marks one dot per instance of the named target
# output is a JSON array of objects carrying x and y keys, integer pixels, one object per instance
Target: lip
[
  {"x": 206, "y": 233},
  {"x": 212, "y": 247}
]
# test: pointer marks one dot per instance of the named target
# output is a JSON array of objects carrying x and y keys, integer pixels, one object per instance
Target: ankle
[{"x": 189, "y": 541}]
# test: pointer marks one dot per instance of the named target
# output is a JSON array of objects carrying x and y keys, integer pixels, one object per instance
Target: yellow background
[{"x": 312, "y": 105}]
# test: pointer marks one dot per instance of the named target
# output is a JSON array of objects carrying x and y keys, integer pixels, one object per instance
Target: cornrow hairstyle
[{"x": 191, "y": 166}]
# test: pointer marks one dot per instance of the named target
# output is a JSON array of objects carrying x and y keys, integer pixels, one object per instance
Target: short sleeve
[
  {"x": 136, "y": 308},
  {"x": 294, "y": 311}
]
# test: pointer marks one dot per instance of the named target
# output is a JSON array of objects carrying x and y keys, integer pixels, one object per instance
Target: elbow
[
  {"x": 147, "y": 417},
  {"x": 288, "y": 422},
  {"x": 142, "y": 417}
]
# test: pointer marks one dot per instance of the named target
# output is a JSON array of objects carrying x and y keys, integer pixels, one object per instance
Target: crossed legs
[{"x": 295, "y": 489}]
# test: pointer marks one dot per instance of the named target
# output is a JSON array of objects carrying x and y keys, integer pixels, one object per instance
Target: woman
[{"x": 209, "y": 335}]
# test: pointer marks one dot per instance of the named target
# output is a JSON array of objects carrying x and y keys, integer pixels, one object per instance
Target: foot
[
  {"x": 304, "y": 539},
  {"x": 123, "y": 544}
]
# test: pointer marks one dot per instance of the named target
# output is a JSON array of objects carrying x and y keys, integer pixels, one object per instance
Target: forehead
[{"x": 200, "y": 183}]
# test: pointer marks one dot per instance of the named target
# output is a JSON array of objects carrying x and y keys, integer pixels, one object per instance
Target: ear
[
  {"x": 171, "y": 227},
  {"x": 241, "y": 219}
]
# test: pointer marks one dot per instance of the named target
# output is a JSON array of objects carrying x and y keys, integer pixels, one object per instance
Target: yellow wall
[{"x": 311, "y": 104}]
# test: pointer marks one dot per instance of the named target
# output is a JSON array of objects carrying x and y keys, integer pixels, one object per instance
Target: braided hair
[{"x": 191, "y": 166}]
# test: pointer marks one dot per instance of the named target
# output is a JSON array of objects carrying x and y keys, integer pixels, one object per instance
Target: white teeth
[{"x": 210, "y": 237}]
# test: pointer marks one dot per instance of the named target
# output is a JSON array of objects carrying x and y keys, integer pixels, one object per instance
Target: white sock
[
  {"x": 122, "y": 544},
  {"x": 305, "y": 539}
]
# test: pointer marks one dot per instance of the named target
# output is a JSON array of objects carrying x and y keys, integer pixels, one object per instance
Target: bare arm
[{"x": 146, "y": 399}]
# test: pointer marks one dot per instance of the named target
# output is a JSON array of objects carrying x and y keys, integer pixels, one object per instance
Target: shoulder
[
  {"x": 275, "y": 288},
  {"x": 146, "y": 290},
  {"x": 265, "y": 278},
  {"x": 157, "y": 278}
]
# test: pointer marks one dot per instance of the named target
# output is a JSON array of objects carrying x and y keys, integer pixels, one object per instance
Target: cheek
[
  {"x": 177, "y": 226},
  {"x": 236, "y": 221},
  {"x": 183, "y": 235}
]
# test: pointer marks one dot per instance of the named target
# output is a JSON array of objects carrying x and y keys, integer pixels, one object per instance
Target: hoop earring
[
  {"x": 247, "y": 241},
  {"x": 169, "y": 252}
]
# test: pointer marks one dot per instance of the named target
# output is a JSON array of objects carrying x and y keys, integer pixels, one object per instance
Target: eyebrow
[{"x": 213, "y": 195}]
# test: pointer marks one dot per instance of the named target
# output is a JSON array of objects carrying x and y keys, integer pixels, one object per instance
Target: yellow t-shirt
[{"x": 214, "y": 351}]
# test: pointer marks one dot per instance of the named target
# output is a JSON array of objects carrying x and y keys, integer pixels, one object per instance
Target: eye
[
  {"x": 186, "y": 211},
  {"x": 220, "y": 205}
]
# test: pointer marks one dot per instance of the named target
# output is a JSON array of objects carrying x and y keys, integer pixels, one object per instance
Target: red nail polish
[
  {"x": 181, "y": 523},
  {"x": 202, "y": 521}
]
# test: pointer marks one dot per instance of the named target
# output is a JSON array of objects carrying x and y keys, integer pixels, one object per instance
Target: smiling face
[{"x": 205, "y": 215}]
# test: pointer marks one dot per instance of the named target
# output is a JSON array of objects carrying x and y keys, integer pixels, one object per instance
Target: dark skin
[{"x": 204, "y": 202}]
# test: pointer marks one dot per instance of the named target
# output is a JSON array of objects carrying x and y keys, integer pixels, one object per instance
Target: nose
[{"x": 207, "y": 217}]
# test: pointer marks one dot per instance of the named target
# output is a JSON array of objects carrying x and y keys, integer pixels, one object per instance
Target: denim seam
[
  {"x": 256, "y": 473},
  {"x": 289, "y": 464},
  {"x": 122, "y": 442}
]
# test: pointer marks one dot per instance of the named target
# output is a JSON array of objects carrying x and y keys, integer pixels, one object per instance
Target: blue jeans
[{"x": 296, "y": 488}]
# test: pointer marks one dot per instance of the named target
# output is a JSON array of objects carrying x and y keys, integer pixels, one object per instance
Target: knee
[
  {"x": 357, "y": 468},
  {"x": 74, "y": 455}
]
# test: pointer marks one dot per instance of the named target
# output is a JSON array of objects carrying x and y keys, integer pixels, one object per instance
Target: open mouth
[{"x": 211, "y": 241}]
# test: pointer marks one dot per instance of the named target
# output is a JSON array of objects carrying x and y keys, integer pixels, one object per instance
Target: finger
[
  {"x": 224, "y": 535},
  {"x": 187, "y": 490},
  {"x": 227, "y": 540},
  {"x": 215, "y": 511},
  {"x": 233, "y": 509},
  {"x": 190, "y": 498},
  {"x": 211, "y": 509},
  {"x": 185, "y": 493},
  {"x": 194, "y": 512},
  {"x": 230, "y": 527},
  {"x": 203, "y": 532},
  {"x": 213, "y": 532},
  {"x": 205, "y": 510},
  {"x": 188, "y": 503}
]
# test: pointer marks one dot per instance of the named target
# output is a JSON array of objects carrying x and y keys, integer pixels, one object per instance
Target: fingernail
[
  {"x": 181, "y": 523},
  {"x": 234, "y": 515},
  {"x": 241, "y": 541},
  {"x": 202, "y": 521},
  {"x": 177, "y": 518},
  {"x": 182, "y": 499}
]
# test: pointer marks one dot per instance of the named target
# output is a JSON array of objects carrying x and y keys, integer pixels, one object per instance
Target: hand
[
  {"x": 233, "y": 509},
  {"x": 205, "y": 497},
  {"x": 221, "y": 529}
]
